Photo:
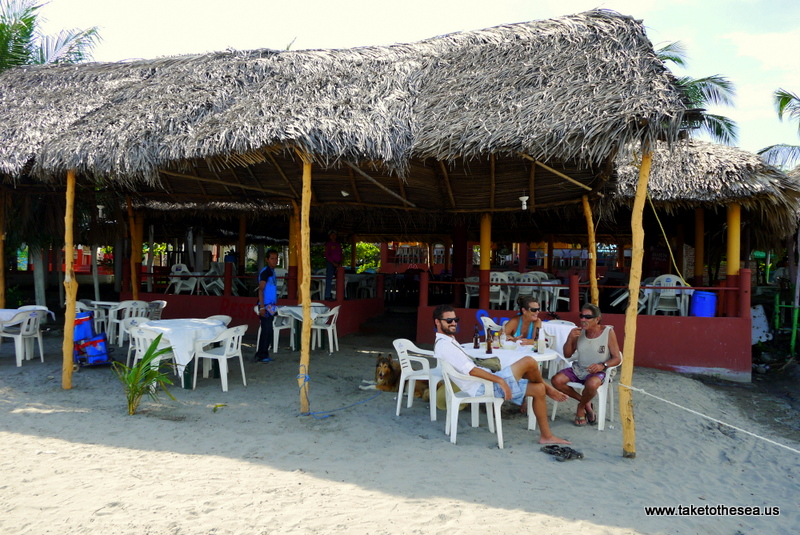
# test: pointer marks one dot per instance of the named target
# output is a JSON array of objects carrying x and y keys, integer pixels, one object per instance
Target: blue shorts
[
  {"x": 574, "y": 378},
  {"x": 518, "y": 388}
]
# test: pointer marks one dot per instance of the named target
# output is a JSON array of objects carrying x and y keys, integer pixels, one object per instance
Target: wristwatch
[{"x": 605, "y": 366}]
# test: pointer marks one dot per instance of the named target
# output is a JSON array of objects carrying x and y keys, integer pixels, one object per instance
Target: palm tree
[
  {"x": 784, "y": 155},
  {"x": 701, "y": 92},
  {"x": 21, "y": 42}
]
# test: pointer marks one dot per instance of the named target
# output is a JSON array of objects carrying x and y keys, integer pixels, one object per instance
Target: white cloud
[{"x": 774, "y": 51}]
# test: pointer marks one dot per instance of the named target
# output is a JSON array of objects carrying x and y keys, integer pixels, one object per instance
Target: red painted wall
[
  {"x": 351, "y": 315},
  {"x": 708, "y": 346}
]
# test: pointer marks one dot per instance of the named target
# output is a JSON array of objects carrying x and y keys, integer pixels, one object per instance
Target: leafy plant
[{"x": 145, "y": 376}]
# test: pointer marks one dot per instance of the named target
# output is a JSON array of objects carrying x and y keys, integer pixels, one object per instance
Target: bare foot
[
  {"x": 553, "y": 440},
  {"x": 557, "y": 395}
]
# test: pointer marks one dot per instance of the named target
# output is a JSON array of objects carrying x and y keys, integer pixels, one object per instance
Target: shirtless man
[{"x": 512, "y": 383}]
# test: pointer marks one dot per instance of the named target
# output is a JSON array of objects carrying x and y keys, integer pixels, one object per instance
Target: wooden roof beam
[
  {"x": 221, "y": 183},
  {"x": 381, "y": 186},
  {"x": 447, "y": 183},
  {"x": 558, "y": 173},
  {"x": 285, "y": 178},
  {"x": 353, "y": 185}
]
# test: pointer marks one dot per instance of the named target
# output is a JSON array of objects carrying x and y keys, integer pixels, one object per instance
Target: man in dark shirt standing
[{"x": 267, "y": 297}]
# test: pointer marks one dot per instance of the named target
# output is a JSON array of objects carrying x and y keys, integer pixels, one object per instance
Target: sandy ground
[{"x": 76, "y": 463}]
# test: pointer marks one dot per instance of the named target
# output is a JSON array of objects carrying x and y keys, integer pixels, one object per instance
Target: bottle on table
[
  {"x": 488, "y": 342},
  {"x": 503, "y": 338},
  {"x": 476, "y": 339}
]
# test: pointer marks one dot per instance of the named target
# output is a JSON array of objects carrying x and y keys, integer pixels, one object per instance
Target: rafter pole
[
  {"x": 381, "y": 186},
  {"x": 285, "y": 178},
  {"x": 224, "y": 184},
  {"x": 353, "y": 185},
  {"x": 446, "y": 176},
  {"x": 558, "y": 173}
]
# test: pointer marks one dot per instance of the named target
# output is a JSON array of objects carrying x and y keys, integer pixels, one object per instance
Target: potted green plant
[{"x": 145, "y": 376}]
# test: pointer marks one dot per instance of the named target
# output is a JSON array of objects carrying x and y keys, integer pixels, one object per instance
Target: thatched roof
[
  {"x": 700, "y": 174},
  {"x": 568, "y": 91}
]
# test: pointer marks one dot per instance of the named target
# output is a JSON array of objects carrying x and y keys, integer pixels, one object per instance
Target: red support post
[
  {"x": 227, "y": 280},
  {"x": 744, "y": 293},
  {"x": 574, "y": 293},
  {"x": 340, "y": 284},
  {"x": 423, "y": 289},
  {"x": 483, "y": 290}
]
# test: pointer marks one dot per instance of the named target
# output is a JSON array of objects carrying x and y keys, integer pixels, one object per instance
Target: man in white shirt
[{"x": 512, "y": 383}]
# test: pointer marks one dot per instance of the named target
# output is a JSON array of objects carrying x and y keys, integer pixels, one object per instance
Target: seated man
[{"x": 513, "y": 383}]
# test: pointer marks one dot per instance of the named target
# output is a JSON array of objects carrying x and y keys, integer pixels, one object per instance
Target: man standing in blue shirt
[{"x": 267, "y": 297}]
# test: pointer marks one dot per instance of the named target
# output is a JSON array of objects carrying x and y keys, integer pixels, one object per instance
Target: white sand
[{"x": 74, "y": 462}]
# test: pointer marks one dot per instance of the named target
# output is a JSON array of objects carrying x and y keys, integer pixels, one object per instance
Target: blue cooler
[{"x": 704, "y": 304}]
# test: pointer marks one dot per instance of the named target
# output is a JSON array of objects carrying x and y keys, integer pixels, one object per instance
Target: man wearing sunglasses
[{"x": 512, "y": 383}]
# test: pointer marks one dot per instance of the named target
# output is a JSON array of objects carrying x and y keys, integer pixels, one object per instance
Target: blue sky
[{"x": 755, "y": 43}]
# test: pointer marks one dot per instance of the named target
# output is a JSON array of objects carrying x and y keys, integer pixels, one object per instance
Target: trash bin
[{"x": 704, "y": 304}]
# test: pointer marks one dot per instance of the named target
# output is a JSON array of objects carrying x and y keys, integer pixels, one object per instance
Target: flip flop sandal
[
  {"x": 553, "y": 449},
  {"x": 591, "y": 416},
  {"x": 580, "y": 421},
  {"x": 568, "y": 455}
]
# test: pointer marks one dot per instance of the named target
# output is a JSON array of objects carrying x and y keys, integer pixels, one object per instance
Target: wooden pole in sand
[
  {"x": 133, "y": 241},
  {"x": 587, "y": 212},
  {"x": 3, "y": 249},
  {"x": 305, "y": 283},
  {"x": 70, "y": 284},
  {"x": 631, "y": 314}
]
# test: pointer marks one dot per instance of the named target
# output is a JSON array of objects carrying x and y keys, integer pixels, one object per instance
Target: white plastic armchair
[
  {"x": 489, "y": 324},
  {"x": 605, "y": 396},
  {"x": 126, "y": 309},
  {"x": 499, "y": 290},
  {"x": 410, "y": 375},
  {"x": 455, "y": 399},
  {"x": 326, "y": 322},
  {"x": 24, "y": 328},
  {"x": 472, "y": 289},
  {"x": 229, "y": 345}
]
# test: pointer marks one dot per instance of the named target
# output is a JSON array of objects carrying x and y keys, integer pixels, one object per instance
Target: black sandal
[{"x": 562, "y": 453}]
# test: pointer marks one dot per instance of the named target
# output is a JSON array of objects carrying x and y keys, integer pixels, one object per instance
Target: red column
[
  {"x": 483, "y": 291},
  {"x": 291, "y": 282},
  {"x": 574, "y": 293},
  {"x": 731, "y": 297},
  {"x": 423, "y": 289},
  {"x": 340, "y": 284},
  {"x": 523, "y": 257},
  {"x": 227, "y": 281},
  {"x": 744, "y": 293}
]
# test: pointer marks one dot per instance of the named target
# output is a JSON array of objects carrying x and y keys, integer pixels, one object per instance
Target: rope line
[
  {"x": 709, "y": 418},
  {"x": 304, "y": 391}
]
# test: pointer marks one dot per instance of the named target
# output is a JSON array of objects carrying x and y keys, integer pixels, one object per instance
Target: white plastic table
[
  {"x": 182, "y": 333},
  {"x": 297, "y": 311}
]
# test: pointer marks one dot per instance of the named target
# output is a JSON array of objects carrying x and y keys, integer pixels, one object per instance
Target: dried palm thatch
[
  {"x": 700, "y": 174},
  {"x": 571, "y": 90}
]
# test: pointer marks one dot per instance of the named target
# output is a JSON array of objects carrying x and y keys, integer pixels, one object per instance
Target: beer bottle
[
  {"x": 488, "y": 341},
  {"x": 476, "y": 339}
]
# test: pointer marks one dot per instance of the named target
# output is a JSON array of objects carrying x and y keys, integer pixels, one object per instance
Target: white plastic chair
[
  {"x": 126, "y": 309},
  {"x": 320, "y": 324},
  {"x": 99, "y": 314},
  {"x": 666, "y": 300},
  {"x": 455, "y": 399},
  {"x": 144, "y": 337},
  {"x": 532, "y": 277},
  {"x": 499, "y": 289},
  {"x": 179, "y": 283},
  {"x": 471, "y": 289},
  {"x": 129, "y": 324},
  {"x": 605, "y": 396},
  {"x": 489, "y": 324},
  {"x": 23, "y": 328},
  {"x": 229, "y": 345},
  {"x": 283, "y": 321},
  {"x": 366, "y": 286},
  {"x": 280, "y": 282},
  {"x": 411, "y": 375},
  {"x": 156, "y": 308}
]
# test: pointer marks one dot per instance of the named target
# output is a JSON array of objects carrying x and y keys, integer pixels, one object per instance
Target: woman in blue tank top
[{"x": 524, "y": 327}]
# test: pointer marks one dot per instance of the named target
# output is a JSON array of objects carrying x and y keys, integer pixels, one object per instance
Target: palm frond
[
  {"x": 17, "y": 32},
  {"x": 787, "y": 102},
  {"x": 781, "y": 155},
  {"x": 673, "y": 52},
  {"x": 67, "y": 46}
]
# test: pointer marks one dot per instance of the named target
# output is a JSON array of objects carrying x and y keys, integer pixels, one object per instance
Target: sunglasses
[
  {"x": 586, "y": 316},
  {"x": 450, "y": 320},
  {"x": 532, "y": 309}
]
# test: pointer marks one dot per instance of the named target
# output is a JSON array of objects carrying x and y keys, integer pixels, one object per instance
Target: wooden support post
[
  {"x": 733, "y": 257},
  {"x": 594, "y": 292},
  {"x": 486, "y": 261},
  {"x": 136, "y": 250},
  {"x": 70, "y": 284},
  {"x": 305, "y": 285},
  {"x": 242, "y": 245},
  {"x": 631, "y": 314},
  {"x": 3, "y": 198}
]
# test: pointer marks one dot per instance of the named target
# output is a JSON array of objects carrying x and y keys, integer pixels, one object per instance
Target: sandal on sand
[
  {"x": 569, "y": 455},
  {"x": 591, "y": 416},
  {"x": 580, "y": 421},
  {"x": 562, "y": 453}
]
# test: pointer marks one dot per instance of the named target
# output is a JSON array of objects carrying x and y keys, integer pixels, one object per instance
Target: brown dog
[{"x": 387, "y": 378}]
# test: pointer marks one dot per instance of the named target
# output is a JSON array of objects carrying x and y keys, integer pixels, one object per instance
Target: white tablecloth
[
  {"x": 297, "y": 311},
  {"x": 182, "y": 333},
  {"x": 509, "y": 356}
]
